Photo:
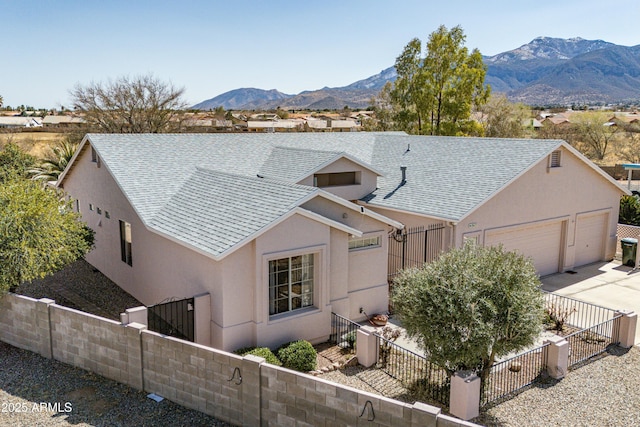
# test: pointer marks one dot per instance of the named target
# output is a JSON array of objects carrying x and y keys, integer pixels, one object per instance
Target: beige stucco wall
[
  {"x": 550, "y": 194},
  {"x": 238, "y": 284},
  {"x": 368, "y": 180}
]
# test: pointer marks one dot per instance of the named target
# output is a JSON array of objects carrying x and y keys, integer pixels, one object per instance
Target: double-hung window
[{"x": 291, "y": 283}]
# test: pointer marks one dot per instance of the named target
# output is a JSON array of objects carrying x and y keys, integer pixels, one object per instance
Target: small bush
[
  {"x": 299, "y": 356},
  {"x": 263, "y": 352}
]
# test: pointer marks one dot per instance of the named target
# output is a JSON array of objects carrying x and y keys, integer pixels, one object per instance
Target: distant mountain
[
  {"x": 238, "y": 99},
  {"x": 546, "y": 71}
]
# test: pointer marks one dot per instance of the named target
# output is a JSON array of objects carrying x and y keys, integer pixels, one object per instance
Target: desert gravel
[{"x": 36, "y": 391}]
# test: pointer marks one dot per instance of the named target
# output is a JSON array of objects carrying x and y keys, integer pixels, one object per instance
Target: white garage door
[
  {"x": 540, "y": 242},
  {"x": 590, "y": 238}
]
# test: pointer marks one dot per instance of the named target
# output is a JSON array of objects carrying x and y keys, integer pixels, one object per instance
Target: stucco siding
[
  {"x": 367, "y": 180},
  {"x": 549, "y": 194}
]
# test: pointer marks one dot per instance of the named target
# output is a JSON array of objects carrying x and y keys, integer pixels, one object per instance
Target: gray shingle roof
[
  {"x": 292, "y": 164},
  {"x": 214, "y": 211},
  {"x": 203, "y": 188}
]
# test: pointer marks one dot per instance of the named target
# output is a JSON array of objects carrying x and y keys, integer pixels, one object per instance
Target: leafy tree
[
  {"x": 435, "y": 94},
  {"x": 471, "y": 306},
  {"x": 1, "y": 101},
  {"x": 14, "y": 162},
  {"x": 51, "y": 167},
  {"x": 629, "y": 210},
  {"x": 503, "y": 119},
  {"x": 142, "y": 104},
  {"x": 39, "y": 233}
]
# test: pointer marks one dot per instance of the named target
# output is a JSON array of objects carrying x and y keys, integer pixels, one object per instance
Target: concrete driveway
[{"x": 608, "y": 284}]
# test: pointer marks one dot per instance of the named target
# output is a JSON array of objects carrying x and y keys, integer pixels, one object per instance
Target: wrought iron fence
[
  {"x": 587, "y": 343},
  {"x": 343, "y": 332},
  {"x": 514, "y": 374},
  {"x": 415, "y": 246},
  {"x": 173, "y": 318},
  {"x": 419, "y": 376},
  {"x": 575, "y": 314}
]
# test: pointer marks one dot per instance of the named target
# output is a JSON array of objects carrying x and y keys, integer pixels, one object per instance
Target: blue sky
[{"x": 210, "y": 47}]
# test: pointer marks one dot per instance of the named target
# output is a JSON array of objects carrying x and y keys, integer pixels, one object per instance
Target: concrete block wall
[
  {"x": 24, "y": 323},
  {"x": 194, "y": 376},
  {"x": 240, "y": 390},
  {"x": 291, "y": 398},
  {"x": 94, "y": 343}
]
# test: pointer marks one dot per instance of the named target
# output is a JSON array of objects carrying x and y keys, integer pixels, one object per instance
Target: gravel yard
[
  {"x": 82, "y": 287},
  {"x": 35, "y": 391}
]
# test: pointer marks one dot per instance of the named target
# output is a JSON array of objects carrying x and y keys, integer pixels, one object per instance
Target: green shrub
[
  {"x": 299, "y": 356},
  {"x": 629, "y": 210},
  {"x": 263, "y": 352}
]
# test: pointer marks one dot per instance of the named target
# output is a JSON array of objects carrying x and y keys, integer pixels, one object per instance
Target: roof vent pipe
[{"x": 403, "y": 169}]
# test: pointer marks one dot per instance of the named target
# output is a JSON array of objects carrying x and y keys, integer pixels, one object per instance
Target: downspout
[{"x": 452, "y": 236}]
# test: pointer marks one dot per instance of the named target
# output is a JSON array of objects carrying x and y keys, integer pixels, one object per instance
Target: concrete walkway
[{"x": 608, "y": 284}]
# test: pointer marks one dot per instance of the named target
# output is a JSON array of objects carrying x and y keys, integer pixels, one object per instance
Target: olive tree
[
  {"x": 142, "y": 104},
  {"x": 471, "y": 306}
]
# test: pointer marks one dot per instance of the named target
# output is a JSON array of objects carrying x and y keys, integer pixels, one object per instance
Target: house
[
  {"x": 283, "y": 229},
  {"x": 183, "y": 215},
  {"x": 63, "y": 121},
  {"x": 20, "y": 122}
]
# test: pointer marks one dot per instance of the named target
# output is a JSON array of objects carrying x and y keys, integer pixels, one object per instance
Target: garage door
[
  {"x": 590, "y": 238},
  {"x": 541, "y": 242}
]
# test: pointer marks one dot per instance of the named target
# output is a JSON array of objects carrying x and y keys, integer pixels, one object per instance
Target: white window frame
[
  {"x": 367, "y": 241},
  {"x": 301, "y": 277}
]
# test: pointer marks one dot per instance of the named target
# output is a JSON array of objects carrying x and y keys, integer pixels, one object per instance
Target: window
[
  {"x": 91, "y": 206},
  {"x": 335, "y": 179},
  {"x": 291, "y": 282},
  {"x": 364, "y": 243},
  {"x": 77, "y": 205},
  {"x": 554, "y": 160},
  {"x": 125, "y": 242},
  {"x": 99, "y": 211},
  {"x": 106, "y": 214}
]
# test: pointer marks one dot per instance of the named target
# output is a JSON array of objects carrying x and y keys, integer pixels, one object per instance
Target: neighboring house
[
  {"x": 63, "y": 121},
  {"x": 283, "y": 229},
  {"x": 20, "y": 122},
  {"x": 275, "y": 125}
]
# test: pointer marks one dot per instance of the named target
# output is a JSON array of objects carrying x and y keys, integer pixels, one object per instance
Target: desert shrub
[
  {"x": 263, "y": 352},
  {"x": 299, "y": 356}
]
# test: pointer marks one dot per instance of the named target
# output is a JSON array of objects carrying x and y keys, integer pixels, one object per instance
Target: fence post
[
  {"x": 464, "y": 400},
  {"x": 135, "y": 374},
  {"x": 251, "y": 390},
  {"x": 367, "y": 346},
  {"x": 43, "y": 327},
  {"x": 627, "y": 328},
  {"x": 557, "y": 356}
]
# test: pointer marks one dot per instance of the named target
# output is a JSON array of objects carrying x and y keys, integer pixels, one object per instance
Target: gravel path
[{"x": 73, "y": 397}]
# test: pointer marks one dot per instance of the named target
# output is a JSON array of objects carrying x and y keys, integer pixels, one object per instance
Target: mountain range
[{"x": 547, "y": 71}]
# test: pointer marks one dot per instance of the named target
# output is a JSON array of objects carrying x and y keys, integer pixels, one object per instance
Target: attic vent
[{"x": 554, "y": 160}]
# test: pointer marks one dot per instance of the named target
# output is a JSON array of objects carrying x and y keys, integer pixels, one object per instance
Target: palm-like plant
[{"x": 51, "y": 167}]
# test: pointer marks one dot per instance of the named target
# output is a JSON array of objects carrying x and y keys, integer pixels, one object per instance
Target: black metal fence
[
  {"x": 590, "y": 342},
  {"x": 511, "y": 375},
  {"x": 419, "y": 376},
  {"x": 173, "y": 318},
  {"x": 575, "y": 314},
  {"x": 415, "y": 246},
  {"x": 343, "y": 332}
]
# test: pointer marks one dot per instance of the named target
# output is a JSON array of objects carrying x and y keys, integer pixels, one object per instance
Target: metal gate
[
  {"x": 415, "y": 246},
  {"x": 173, "y": 318}
]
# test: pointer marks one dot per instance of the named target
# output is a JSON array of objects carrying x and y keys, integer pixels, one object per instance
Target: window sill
[{"x": 283, "y": 317}]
